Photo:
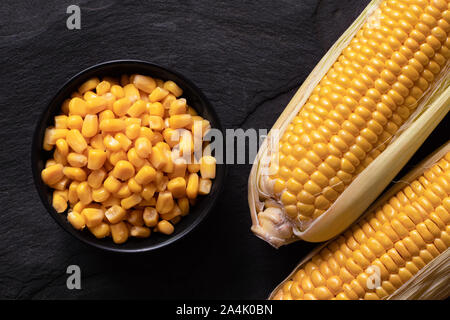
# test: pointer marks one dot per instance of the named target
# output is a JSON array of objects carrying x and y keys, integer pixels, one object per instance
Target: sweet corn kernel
[
  {"x": 121, "y": 106},
  {"x": 158, "y": 94},
  {"x": 78, "y": 207},
  {"x": 137, "y": 109},
  {"x": 148, "y": 191},
  {"x": 140, "y": 232},
  {"x": 117, "y": 91},
  {"x": 161, "y": 181},
  {"x": 93, "y": 216},
  {"x": 145, "y": 175},
  {"x": 204, "y": 186},
  {"x": 75, "y": 122},
  {"x": 61, "y": 184},
  {"x": 90, "y": 84},
  {"x": 208, "y": 167},
  {"x": 158, "y": 157},
  {"x": 123, "y": 170},
  {"x": 90, "y": 126},
  {"x": 150, "y": 216},
  {"x": 134, "y": 186},
  {"x": 72, "y": 195},
  {"x": 165, "y": 227},
  {"x": 192, "y": 186},
  {"x": 115, "y": 157},
  {"x": 59, "y": 202},
  {"x": 131, "y": 201},
  {"x": 61, "y": 122},
  {"x": 133, "y": 130},
  {"x": 164, "y": 203},
  {"x": 103, "y": 87},
  {"x": 131, "y": 92},
  {"x": 76, "y": 140},
  {"x": 115, "y": 214},
  {"x": 119, "y": 232},
  {"x": 143, "y": 147},
  {"x": 168, "y": 100},
  {"x": 134, "y": 158},
  {"x": 112, "y": 125},
  {"x": 101, "y": 231},
  {"x": 96, "y": 177},
  {"x": 78, "y": 106},
  {"x": 100, "y": 194},
  {"x": 144, "y": 83},
  {"x": 155, "y": 109},
  {"x": 112, "y": 184},
  {"x": 96, "y": 104},
  {"x": 111, "y": 144},
  {"x": 73, "y": 173},
  {"x": 63, "y": 147},
  {"x": 173, "y": 88},
  {"x": 84, "y": 193},
  {"x": 183, "y": 204},
  {"x": 178, "y": 121},
  {"x": 178, "y": 187},
  {"x": 96, "y": 159},
  {"x": 52, "y": 135},
  {"x": 177, "y": 107},
  {"x": 179, "y": 168},
  {"x": 76, "y": 220},
  {"x": 175, "y": 212},
  {"x": 124, "y": 191},
  {"x": 76, "y": 160},
  {"x": 156, "y": 123},
  {"x": 52, "y": 174}
]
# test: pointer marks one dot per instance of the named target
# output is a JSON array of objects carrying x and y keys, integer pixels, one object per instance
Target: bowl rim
[{"x": 36, "y": 145}]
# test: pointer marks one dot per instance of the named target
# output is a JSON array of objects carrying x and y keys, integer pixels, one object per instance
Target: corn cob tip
[{"x": 273, "y": 227}]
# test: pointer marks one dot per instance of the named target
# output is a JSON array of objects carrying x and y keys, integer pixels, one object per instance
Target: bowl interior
[{"x": 116, "y": 68}]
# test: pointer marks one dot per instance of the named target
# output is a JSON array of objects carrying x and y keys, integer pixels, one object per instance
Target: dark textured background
[{"x": 247, "y": 56}]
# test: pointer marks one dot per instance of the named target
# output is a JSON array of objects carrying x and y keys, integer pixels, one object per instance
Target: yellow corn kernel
[
  {"x": 111, "y": 201},
  {"x": 78, "y": 207},
  {"x": 156, "y": 123},
  {"x": 76, "y": 220},
  {"x": 123, "y": 170},
  {"x": 111, "y": 143},
  {"x": 134, "y": 158},
  {"x": 59, "y": 158},
  {"x": 73, "y": 173},
  {"x": 100, "y": 194},
  {"x": 131, "y": 201},
  {"x": 90, "y": 126},
  {"x": 115, "y": 157},
  {"x": 112, "y": 125},
  {"x": 88, "y": 95},
  {"x": 155, "y": 109},
  {"x": 171, "y": 137},
  {"x": 123, "y": 140},
  {"x": 105, "y": 114},
  {"x": 101, "y": 231},
  {"x": 148, "y": 191},
  {"x": 179, "y": 121},
  {"x": 165, "y": 227},
  {"x": 76, "y": 160},
  {"x": 158, "y": 94},
  {"x": 138, "y": 108},
  {"x": 96, "y": 105},
  {"x": 143, "y": 147},
  {"x": 50, "y": 162},
  {"x": 168, "y": 100},
  {"x": 144, "y": 83},
  {"x": 150, "y": 217},
  {"x": 78, "y": 107},
  {"x": 96, "y": 177},
  {"x": 177, "y": 187},
  {"x": 135, "y": 218},
  {"x": 208, "y": 167},
  {"x": 90, "y": 84},
  {"x": 200, "y": 128},
  {"x": 61, "y": 184},
  {"x": 192, "y": 186},
  {"x": 103, "y": 87},
  {"x": 192, "y": 111},
  {"x": 131, "y": 92},
  {"x": 109, "y": 99},
  {"x": 59, "y": 202},
  {"x": 145, "y": 175},
  {"x": 124, "y": 191},
  {"x": 175, "y": 212},
  {"x": 61, "y": 122},
  {"x": 140, "y": 232},
  {"x": 75, "y": 122},
  {"x": 177, "y": 107},
  {"x": 164, "y": 203},
  {"x": 119, "y": 232},
  {"x": 117, "y": 91},
  {"x": 112, "y": 184},
  {"x": 76, "y": 140},
  {"x": 84, "y": 193},
  {"x": 76, "y": 95},
  {"x": 52, "y": 135},
  {"x": 179, "y": 168},
  {"x": 96, "y": 159},
  {"x": 65, "y": 107},
  {"x": 134, "y": 186},
  {"x": 132, "y": 131},
  {"x": 194, "y": 166},
  {"x": 156, "y": 137},
  {"x": 173, "y": 88},
  {"x": 204, "y": 186},
  {"x": 52, "y": 174},
  {"x": 115, "y": 214},
  {"x": 158, "y": 157},
  {"x": 72, "y": 195},
  {"x": 183, "y": 204},
  {"x": 121, "y": 106},
  {"x": 93, "y": 216},
  {"x": 161, "y": 181},
  {"x": 63, "y": 147}
]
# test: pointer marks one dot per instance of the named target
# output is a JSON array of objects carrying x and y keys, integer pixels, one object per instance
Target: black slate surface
[{"x": 247, "y": 56}]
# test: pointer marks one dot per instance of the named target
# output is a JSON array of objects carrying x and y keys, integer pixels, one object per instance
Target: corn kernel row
[
  {"x": 113, "y": 162},
  {"x": 399, "y": 238}
]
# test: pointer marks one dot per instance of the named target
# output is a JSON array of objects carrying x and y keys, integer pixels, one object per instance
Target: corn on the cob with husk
[
  {"x": 398, "y": 250},
  {"x": 354, "y": 123}
]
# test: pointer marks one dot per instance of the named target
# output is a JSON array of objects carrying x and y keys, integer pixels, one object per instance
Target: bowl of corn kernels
[{"x": 120, "y": 156}]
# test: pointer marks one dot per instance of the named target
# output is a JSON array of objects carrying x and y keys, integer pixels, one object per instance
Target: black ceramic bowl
[{"x": 116, "y": 68}]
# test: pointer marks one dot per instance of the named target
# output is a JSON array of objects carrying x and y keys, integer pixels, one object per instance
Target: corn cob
[
  {"x": 380, "y": 81},
  {"x": 406, "y": 233}
]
